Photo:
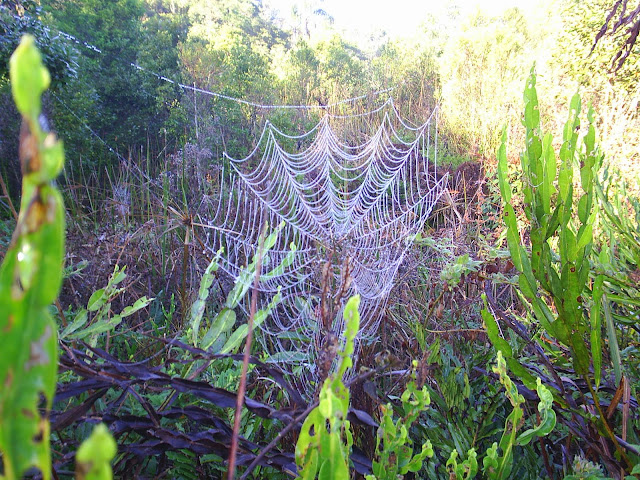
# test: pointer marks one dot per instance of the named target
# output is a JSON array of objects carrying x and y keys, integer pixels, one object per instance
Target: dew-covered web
[
  {"x": 350, "y": 212},
  {"x": 347, "y": 212}
]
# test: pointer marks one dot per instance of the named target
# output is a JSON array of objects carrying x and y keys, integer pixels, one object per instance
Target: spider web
[{"x": 347, "y": 214}]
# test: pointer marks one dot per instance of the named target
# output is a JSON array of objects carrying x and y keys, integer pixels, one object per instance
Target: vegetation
[{"x": 509, "y": 347}]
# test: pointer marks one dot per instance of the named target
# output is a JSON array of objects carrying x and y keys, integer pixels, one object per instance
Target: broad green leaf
[
  {"x": 118, "y": 276},
  {"x": 28, "y": 366},
  {"x": 101, "y": 326},
  {"x": 493, "y": 332},
  {"x": 241, "y": 332},
  {"x": 30, "y": 279},
  {"x": 581, "y": 357},
  {"x": 584, "y": 207},
  {"x": 243, "y": 283},
  {"x": 286, "y": 262},
  {"x": 292, "y": 356},
  {"x": 294, "y": 336},
  {"x": 586, "y": 237},
  {"x": 521, "y": 372}
]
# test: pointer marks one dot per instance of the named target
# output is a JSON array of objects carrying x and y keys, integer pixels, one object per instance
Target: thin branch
[
  {"x": 245, "y": 361},
  {"x": 631, "y": 20},
  {"x": 5, "y": 193}
]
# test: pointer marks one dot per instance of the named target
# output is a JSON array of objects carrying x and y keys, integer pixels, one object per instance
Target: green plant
[
  {"x": 99, "y": 305},
  {"x": 465, "y": 470},
  {"x": 394, "y": 451},
  {"x": 219, "y": 336},
  {"x": 553, "y": 220},
  {"x": 325, "y": 439},
  {"x": 496, "y": 466},
  {"x": 30, "y": 279},
  {"x": 452, "y": 272},
  {"x": 554, "y": 280},
  {"x": 95, "y": 454}
]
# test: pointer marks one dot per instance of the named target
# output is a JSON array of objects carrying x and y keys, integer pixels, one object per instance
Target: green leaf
[
  {"x": 138, "y": 305},
  {"x": 586, "y": 237},
  {"x": 612, "y": 337},
  {"x": 547, "y": 416},
  {"x": 596, "y": 329},
  {"x": 98, "y": 327},
  {"x": 531, "y": 112},
  {"x": 493, "y": 332},
  {"x": 503, "y": 168},
  {"x": 292, "y": 356},
  {"x": 550, "y": 166},
  {"x": 28, "y": 366},
  {"x": 221, "y": 325},
  {"x": 241, "y": 332},
  {"x": 29, "y": 78},
  {"x": 96, "y": 300},
  {"x": 78, "y": 322},
  {"x": 30, "y": 279},
  {"x": 118, "y": 276}
]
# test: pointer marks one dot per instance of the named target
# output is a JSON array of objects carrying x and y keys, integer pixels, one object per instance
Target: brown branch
[
  {"x": 245, "y": 361},
  {"x": 5, "y": 193},
  {"x": 630, "y": 20}
]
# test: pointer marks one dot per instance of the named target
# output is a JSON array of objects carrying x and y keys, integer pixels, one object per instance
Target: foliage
[
  {"x": 465, "y": 470},
  {"x": 555, "y": 222},
  {"x": 476, "y": 104},
  {"x": 394, "y": 452},
  {"x": 495, "y": 466},
  {"x": 169, "y": 404},
  {"x": 30, "y": 279},
  {"x": 21, "y": 17},
  {"x": 219, "y": 337},
  {"x": 99, "y": 306},
  {"x": 619, "y": 256},
  {"x": 190, "y": 382},
  {"x": 555, "y": 275},
  {"x": 107, "y": 93},
  {"x": 325, "y": 439},
  {"x": 453, "y": 272}
]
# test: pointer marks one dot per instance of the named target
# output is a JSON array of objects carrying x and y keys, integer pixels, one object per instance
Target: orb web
[{"x": 350, "y": 210}]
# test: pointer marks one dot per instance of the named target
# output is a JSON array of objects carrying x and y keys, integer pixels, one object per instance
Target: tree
[
  {"x": 18, "y": 17},
  {"x": 108, "y": 94}
]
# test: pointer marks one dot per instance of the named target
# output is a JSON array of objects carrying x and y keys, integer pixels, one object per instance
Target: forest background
[
  {"x": 470, "y": 63},
  {"x": 111, "y": 103}
]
